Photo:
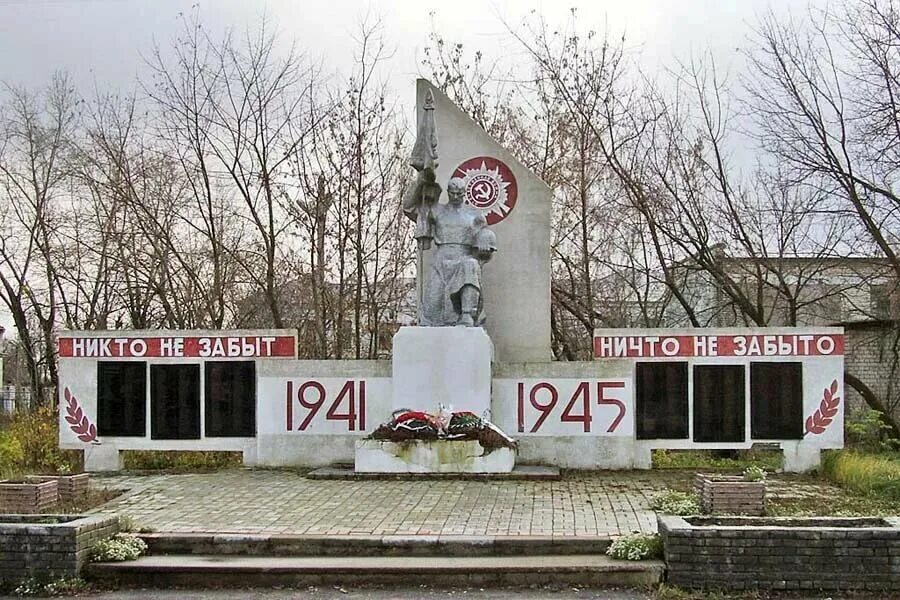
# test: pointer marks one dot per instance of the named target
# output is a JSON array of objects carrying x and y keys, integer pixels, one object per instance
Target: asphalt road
[{"x": 428, "y": 593}]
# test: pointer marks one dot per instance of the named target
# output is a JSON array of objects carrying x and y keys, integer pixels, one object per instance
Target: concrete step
[
  {"x": 257, "y": 571},
  {"x": 362, "y": 545},
  {"x": 519, "y": 473}
]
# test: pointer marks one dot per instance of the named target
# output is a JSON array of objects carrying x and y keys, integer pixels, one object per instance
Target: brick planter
[
  {"x": 49, "y": 545},
  {"x": 730, "y": 495},
  {"x": 69, "y": 486},
  {"x": 783, "y": 553},
  {"x": 28, "y": 497}
]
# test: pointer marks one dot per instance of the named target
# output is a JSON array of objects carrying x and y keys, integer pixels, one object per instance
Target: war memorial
[
  {"x": 470, "y": 393},
  {"x": 472, "y": 388}
]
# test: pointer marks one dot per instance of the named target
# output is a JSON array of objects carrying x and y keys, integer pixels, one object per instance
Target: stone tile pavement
[{"x": 285, "y": 502}]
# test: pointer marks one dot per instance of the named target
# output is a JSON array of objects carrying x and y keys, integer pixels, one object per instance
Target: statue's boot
[{"x": 468, "y": 304}]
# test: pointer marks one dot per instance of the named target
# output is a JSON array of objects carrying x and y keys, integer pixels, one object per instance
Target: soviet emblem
[{"x": 490, "y": 187}]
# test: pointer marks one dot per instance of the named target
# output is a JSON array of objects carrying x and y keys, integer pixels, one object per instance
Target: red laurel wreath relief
[
  {"x": 828, "y": 408},
  {"x": 78, "y": 421}
]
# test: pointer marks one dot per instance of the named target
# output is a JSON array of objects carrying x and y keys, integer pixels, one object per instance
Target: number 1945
[{"x": 544, "y": 398}]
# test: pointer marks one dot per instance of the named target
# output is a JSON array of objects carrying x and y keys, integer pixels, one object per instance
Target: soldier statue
[{"x": 451, "y": 293}]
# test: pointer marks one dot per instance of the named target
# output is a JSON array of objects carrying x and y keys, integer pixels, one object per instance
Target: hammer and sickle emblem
[
  {"x": 490, "y": 186},
  {"x": 482, "y": 191}
]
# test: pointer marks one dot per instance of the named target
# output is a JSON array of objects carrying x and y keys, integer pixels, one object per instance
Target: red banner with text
[
  {"x": 686, "y": 346},
  {"x": 255, "y": 346}
]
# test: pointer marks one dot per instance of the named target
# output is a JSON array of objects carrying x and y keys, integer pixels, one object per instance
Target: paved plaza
[{"x": 285, "y": 502}]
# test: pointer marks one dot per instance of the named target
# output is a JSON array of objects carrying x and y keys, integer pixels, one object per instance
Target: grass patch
[
  {"x": 180, "y": 462},
  {"x": 770, "y": 460},
  {"x": 875, "y": 475},
  {"x": 842, "y": 505},
  {"x": 43, "y": 587}
]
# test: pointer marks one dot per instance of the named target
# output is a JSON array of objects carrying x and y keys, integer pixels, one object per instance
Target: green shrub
[
  {"x": 754, "y": 474},
  {"x": 672, "y": 502},
  {"x": 122, "y": 546},
  {"x": 639, "y": 546},
  {"x": 159, "y": 460},
  {"x": 864, "y": 473},
  {"x": 865, "y": 430},
  {"x": 31, "y": 445},
  {"x": 11, "y": 456}
]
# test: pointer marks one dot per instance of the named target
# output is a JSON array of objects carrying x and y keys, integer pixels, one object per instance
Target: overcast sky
[{"x": 104, "y": 40}]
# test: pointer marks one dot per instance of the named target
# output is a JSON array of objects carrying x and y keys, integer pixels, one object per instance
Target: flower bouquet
[{"x": 408, "y": 424}]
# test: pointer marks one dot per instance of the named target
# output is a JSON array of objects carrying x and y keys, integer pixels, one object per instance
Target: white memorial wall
[
  {"x": 573, "y": 415},
  {"x": 162, "y": 390}
]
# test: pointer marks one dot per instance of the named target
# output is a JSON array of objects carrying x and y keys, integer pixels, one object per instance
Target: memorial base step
[
  {"x": 201, "y": 571},
  {"x": 432, "y": 456},
  {"x": 519, "y": 473}
]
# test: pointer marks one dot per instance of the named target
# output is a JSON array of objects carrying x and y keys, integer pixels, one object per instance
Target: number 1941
[{"x": 304, "y": 402}]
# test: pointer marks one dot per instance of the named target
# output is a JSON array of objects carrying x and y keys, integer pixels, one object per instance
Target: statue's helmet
[{"x": 485, "y": 244}]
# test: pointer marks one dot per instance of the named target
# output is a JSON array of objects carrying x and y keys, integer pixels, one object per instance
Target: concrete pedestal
[
  {"x": 100, "y": 457},
  {"x": 448, "y": 366},
  {"x": 439, "y": 456},
  {"x": 799, "y": 457}
]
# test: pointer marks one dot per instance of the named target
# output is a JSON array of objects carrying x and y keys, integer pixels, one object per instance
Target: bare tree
[
  {"x": 663, "y": 147},
  {"x": 184, "y": 95},
  {"x": 822, "y": 94},
  {"x": 353, "y": 178},
  {"x": 35, "y": 142},
  {"x": 481, "y": 90},
  {"x": 238, "y": 104},
  {"x": 623, "y": 123}
]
